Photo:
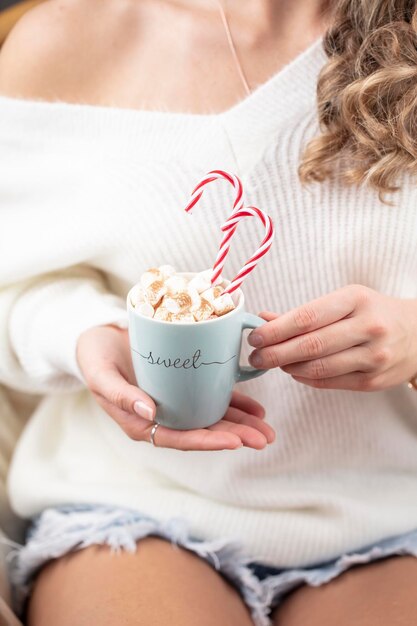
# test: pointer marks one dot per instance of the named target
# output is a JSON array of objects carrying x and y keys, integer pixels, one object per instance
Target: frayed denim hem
[
  {"x": 276, "y": 587},
  {"x": 57, "y": 531}
]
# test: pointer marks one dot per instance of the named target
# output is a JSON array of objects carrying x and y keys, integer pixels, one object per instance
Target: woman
[{"x": 109, "y": 115}]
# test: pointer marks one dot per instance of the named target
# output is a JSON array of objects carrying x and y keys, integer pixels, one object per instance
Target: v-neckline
[{"x": 301, "y": 71}]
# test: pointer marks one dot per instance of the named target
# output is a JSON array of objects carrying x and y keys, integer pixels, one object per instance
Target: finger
[
  {"x": 197, "y": 439},
  {"x": 268, "y": 316},
  {"x": 315, "y": 314},
  {"x": 110, "y": 384},
  {"x": 356, "y": 381},
  {"x": 353, "y": 360},
  {"x": 250, "y": 437},
  {"x": 240, "y": 417},
  {"x": 331, "y": 339},
  {"x": 139, "y": 429},
  {"x": 135, "y": 427},
  {"x": 247, "y": 404}
]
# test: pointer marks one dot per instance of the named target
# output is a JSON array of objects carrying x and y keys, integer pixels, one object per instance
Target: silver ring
[{"x": 153, "y": 431}]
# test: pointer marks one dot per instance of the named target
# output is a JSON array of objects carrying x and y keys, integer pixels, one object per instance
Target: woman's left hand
[{"x": 353, "y": 338}]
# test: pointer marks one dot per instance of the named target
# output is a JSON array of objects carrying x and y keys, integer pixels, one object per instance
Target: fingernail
[
  {"x": 143, "y": 410},
  {"x": 255, "y": 340},
  {"x": 255, "y": 359}
]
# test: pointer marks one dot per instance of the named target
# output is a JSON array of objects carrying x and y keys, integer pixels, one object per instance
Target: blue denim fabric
[{"x": 57, "y": 531}]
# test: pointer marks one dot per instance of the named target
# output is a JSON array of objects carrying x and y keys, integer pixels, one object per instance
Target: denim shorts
[{"x": 59, "y": 530}]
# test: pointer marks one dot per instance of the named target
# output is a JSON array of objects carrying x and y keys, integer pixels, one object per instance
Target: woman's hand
[
  {"x": 353, "y": 338},
  {"x": 103, "y": 354}
]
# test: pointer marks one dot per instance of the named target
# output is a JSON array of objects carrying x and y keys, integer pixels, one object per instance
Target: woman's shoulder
[{"x": 57, "y": 48}]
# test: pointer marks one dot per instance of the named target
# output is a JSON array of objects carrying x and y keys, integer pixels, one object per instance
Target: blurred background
[{"x": 10, "y": 11}]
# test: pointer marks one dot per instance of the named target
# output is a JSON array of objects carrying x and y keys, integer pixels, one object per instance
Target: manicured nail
[
  {"x": 255, "y": 340},
  {"x": 143, "y": 410},
  {"x": 255, "y": 359}
]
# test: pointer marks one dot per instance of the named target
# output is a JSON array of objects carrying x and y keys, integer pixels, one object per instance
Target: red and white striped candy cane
[
  {"x": 210, "y": 177},
  {"x": 230, "y": 227},
  {"x": 237, "y": 205}
]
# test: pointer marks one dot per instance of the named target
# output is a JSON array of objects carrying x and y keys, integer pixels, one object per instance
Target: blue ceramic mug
[{"x": 190, "y": 369}]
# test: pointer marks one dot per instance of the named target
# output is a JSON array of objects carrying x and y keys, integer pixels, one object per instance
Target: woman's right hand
[{"x": 103, "y": 355}]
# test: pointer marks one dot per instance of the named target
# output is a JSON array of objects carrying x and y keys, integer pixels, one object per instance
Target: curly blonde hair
[{"x": 367, "y": 96}]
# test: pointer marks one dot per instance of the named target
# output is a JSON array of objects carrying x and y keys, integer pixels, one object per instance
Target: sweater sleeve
[{"x": 43, "y": 324}]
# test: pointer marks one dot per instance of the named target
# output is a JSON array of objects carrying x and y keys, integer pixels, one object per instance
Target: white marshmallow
[
  {"x": 181, "y": 302},
  {"x": 166, "y": 271},
  {"x": 203, "y": 312},
  {"x": 211, "y": 294},
  {"x": 200, "y": 283},
  {"x": 149, "y": 277},
  {"x": 175, "y": 284},
  {"x": 171, "y": 305},
  {"x": 144, "y": 308},
  {"x": 195, "y": 298},
  {"x": 207, "y": 275},
  {"x": 182, "y": 318},
  {"x": 223, "y": 304},
  {"x": 162, "y": 314},
  {"x": 137, "y": 295},
  {"x": 155, "y": 292}
]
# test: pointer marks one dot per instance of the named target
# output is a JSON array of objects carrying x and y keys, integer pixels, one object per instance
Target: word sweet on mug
[{"x": 193, "y": 362}]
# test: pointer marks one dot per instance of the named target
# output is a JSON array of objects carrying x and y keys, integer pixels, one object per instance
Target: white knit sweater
[{"x": 90, "y": 197}]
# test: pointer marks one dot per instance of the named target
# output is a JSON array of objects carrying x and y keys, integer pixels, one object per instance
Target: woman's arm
[
  {"x": 40, "y": 322},
  {"x": 42, "y": 315}
]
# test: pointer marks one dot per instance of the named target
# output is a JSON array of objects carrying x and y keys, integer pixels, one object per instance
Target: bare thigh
[
  {"x": 383, "y": 593},
  {"x": 160, "y": 584}
]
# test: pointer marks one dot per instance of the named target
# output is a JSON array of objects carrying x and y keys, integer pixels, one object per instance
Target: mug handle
[{"x": 246, "y": 372}]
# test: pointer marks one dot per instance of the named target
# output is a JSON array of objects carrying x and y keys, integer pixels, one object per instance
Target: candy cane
[
  {"x": 237, "y": 205},
  {"x": 210, "y": 177},
  {"x": 230, "y": 227}
]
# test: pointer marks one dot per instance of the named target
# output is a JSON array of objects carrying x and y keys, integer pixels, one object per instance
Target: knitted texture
[{"x": 91, "y": 196}]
